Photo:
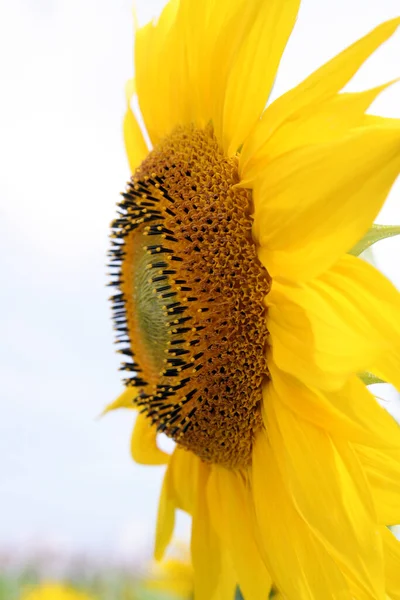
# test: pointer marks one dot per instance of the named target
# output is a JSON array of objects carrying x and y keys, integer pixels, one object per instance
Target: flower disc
[{"x": 191, "y": 302}]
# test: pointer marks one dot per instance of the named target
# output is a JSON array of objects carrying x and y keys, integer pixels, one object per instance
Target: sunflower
[
  {"x": 54, "y": 591},
  {"x": 245, "y": 318}
]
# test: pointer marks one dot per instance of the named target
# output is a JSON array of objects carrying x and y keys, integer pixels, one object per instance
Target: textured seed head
[{"x": 190, "y": 302}]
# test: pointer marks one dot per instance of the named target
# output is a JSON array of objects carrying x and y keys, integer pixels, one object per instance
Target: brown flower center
[{"x": 190, "y": 300}]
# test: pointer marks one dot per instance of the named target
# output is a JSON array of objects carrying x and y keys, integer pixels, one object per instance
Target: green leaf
[
  {"x": 369, "y": 378},
  {"x": 376, "y": 233}
]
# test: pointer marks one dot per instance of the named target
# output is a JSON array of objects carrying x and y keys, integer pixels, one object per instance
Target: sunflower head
[{"x": 191, "y": 302}]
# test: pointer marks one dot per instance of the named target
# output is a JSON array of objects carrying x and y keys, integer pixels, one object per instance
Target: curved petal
[
  {"x": 326, "y": 122},
  {"x": 254, "y": 70},
  {"x": 205, "y": 544},
  {"x": 326, "y": 484},
  {"x": 135, "y": 145},
  {"x": 165, "y": 517},
  {"x": 229, "y": 502},
  {"x": 387, "y": 367},
  {"x": 183, "y": 61},
  {"x": 179, "y": 490},
  {"x": 214, "y": 32},
  {"x": 144, "y": 449},
  {"x": 351, "y": 413},
  {"x": 124, "y": 400},
  {"x": 315, "y": 202},
  {"x": 382, "y": 468},
  {"x": 226, "y": 585},
  {"x": 391, "y": 547},
  {"x": 161, "y": 72},
  {"x": 332, "y": 327},
  {"x": 190, "y": 65},
  {"x": 316, "y": 89},
  {"x": 184, "y": 466},
  {"x": 301, "y": 567}
]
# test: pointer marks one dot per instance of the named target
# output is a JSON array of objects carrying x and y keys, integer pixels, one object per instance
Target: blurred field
[
  {"x": 102, "y": 584},
  {"x": 100, "y": 587}
]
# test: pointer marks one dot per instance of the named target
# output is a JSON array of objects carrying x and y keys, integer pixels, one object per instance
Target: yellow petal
[
  {"x": 326, "y": 122},
  {"x": 183, "y": 61},
  {"x": 373, "y": 235},
  {"x": 301, "y": 567},
  {"x": 351, "y": 413},
  {"x": 161, "y": 74},
  {"x": 254, "y": 69},
  {"x": 226, "y": 585},
  {"x": 165, "y": 517},
  {"x": 144, "y": 449},
  {"x": 205, "y": 545},
  {"x": 391, "y": 547},
  {"x": 135, "y": 145},
  {"x": 179, "y": 490},
  {"x": 327, "y": 486},
  {"x": 382, "y": 468},
  {"x": 184, "y": 465},
  {"x": 334, "y": 326},
  {"x": 124, "y": 400},
  {"x": 232, "y": 519},
  {"x": 319, "y": 87},
  {"x": 191, "y": 63},
  {"x": 214, "y": 32},
  {"x": 387, "y": 367},
  {"x": 316, "y": 202}
]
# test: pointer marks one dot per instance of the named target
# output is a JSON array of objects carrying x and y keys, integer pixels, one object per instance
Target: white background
[{"x": 67, "y": 478}]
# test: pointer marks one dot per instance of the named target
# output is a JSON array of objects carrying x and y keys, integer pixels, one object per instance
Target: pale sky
[{"x": 67, "y": 478}]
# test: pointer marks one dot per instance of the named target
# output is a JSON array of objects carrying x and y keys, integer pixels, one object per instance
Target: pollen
[{"x": 189, "y": 308}]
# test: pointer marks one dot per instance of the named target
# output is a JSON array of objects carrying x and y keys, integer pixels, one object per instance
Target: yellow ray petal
[
  {"x": 216, "y": 34},
  {"x": 179, "y": 490},
  {"x": 313, "y": 91},
  {"x": 165, "y": 517},
  {"x": 351, "y": 413},
  {"x": 205, "y": 545},
  {"x": 371, "y": 296},
  {"x": 382, "y": 468},
  {"x": 183, "y": 61},
  {"x": 144, "y": 449},
  {"x": 301, "y": 567},
  {"x": 214, "y": 31},
  {"x": 232, "y": 519},
  {"x": 135, "y": 145},
  {"x": 190, "y": 64},
  {"x": 387, "y": 367},
  {"x": 329, "y": 121},
  {"x": 161, "y": 74},
  {"x": 124, "y": 400},
  {"x": 316, "y": 202},
  {"x": 337, "y": 325},
  {"x": 226, "y": 586},
  {"x": 391, "y": 547},
  {"x": 254, "y": 70},
  {"x": 328, "y": 488},
  {"x": 184, "y": 465}
]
